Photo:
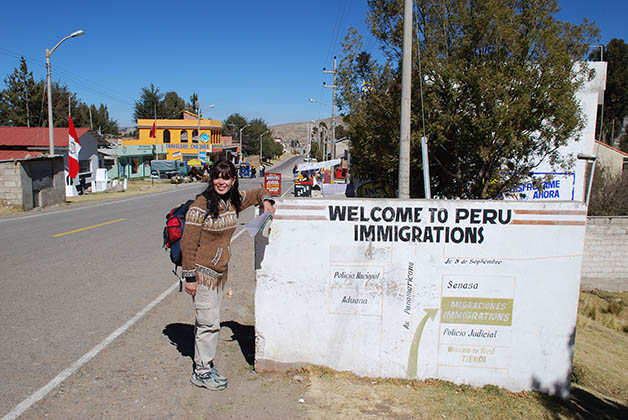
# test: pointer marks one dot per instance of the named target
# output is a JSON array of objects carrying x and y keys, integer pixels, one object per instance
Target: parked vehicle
[{"x": 168, "y": 168}]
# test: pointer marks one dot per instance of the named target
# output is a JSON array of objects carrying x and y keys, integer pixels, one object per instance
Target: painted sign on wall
[
  {"x": 272, "y": 182},
  {"x": 554, "y": 186},
  {"x": 477, "y": 292}
]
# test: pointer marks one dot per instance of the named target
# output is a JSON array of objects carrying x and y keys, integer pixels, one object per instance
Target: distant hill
[
  {"x": 127, "y": 130},
  {"x": 298, "y": 130}
]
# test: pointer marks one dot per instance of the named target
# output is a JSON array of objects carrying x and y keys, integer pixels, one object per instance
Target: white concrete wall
[
  {"x": 609, "y": 159},
  {"x": 497, "y": 308}
]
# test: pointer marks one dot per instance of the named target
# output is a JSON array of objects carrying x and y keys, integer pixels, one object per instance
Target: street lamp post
[
  {"x": 309, "y": 139},
  {"x": 325, "y": 143},
  {"x": 260, "y": 145},
  {"x": 241, "y": 144},
  {"x": 198, "y": 116},
  {"x": 51, "y": 135}
]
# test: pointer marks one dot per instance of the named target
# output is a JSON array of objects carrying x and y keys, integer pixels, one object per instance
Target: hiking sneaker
[
  {"x": 218, "y": 377},
  {"x": 209, "y": 381}
]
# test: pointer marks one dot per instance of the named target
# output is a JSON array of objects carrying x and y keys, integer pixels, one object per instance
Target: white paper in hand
[{"x": 257, "y": 224}]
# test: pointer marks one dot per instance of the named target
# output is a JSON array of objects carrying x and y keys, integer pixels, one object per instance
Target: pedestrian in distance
[
  {"x": 262, "y": 168},
  {"x": 209, "y": 225},
  {"x": 252, "y": 171}
]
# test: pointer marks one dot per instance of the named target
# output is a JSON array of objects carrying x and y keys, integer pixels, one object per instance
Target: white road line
[{"x": 66, "y": 373}]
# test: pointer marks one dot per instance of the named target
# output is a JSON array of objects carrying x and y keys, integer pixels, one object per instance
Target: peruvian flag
[
  {"x": 153, "y": 132},
  {"x": 73, "y": 151}
]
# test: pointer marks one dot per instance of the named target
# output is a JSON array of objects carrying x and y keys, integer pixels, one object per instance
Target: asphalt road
[{"x": 71, "y": 277}]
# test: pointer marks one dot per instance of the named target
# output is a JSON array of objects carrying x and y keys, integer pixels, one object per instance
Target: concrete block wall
[
  {"x": 605, "y": 260},
  {"x": 10, "y": 184}
]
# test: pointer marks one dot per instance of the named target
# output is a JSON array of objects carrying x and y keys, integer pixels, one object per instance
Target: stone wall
[
  {"x": 11, "y": 184},
  {"x": 605, "y": 260},
  {"x": 30, "y": 183}
]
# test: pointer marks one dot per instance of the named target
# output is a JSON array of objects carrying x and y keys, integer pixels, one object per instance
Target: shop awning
[{"x": 318, "y": 165}]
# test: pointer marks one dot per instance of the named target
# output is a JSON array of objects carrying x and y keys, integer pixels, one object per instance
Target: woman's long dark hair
[{"x": 222, "y": 169}]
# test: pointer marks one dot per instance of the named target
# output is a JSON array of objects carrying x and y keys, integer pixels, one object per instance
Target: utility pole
[
  {"x": 333, "y": 110},
  {"x": 198, "y": 118},
  {"x": 406, "y": 81}
]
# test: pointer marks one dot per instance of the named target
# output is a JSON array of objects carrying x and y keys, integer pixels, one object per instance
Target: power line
[{"x": 70, "y": 78}]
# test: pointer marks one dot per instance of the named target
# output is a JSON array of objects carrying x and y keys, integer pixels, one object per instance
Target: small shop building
[{"x": 183, "y": 139}]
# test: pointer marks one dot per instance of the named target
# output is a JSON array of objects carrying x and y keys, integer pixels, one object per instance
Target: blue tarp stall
[
  {"x": 244, "y": 170},
  {"x": 318, "y": 165}
]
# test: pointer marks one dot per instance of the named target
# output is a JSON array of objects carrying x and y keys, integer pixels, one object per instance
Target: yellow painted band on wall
[{"x": 479, "y": 311}]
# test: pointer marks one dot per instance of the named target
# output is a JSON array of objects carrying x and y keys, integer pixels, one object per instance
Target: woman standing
[{"x": 209, "y": 226}]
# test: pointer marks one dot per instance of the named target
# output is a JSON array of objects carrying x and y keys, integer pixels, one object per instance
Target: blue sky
[{"x": 260, "y": 59}]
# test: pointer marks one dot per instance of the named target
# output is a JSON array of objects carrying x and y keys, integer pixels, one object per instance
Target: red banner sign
[{"x": 272, "y": 182}]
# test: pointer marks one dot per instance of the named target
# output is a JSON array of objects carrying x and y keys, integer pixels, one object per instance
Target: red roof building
[{"x": 20, "y": 142}]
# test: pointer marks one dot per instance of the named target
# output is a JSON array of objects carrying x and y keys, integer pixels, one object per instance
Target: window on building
[
  {"x": 166, "y": 136},
  {"x": 184, "y": 136},
  {"x": 195, "y": 136},
  {"x": 83, "y": 165}
]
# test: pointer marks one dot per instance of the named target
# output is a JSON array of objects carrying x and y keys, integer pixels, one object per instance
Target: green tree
[
  {"x": 232, "y": 125},
  {"x": 191, "y": 106},
  {"x": 251, "y": 136},
  {"x": 17, "y": 104},
  {"x": 340, "y": 132},
  {"x": 173, "y": 106},
  {"x": 24, "y": 103},
  {"x": 316, "y": 152},
  {"x": 499, "y": 79},
  {"x": 150, "y": 105}
]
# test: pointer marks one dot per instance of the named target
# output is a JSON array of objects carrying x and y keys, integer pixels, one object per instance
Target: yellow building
[{"x": 180, "y": 139}]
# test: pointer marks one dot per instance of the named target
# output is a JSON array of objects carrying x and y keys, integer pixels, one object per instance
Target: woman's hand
[
  {"x": 190, "y": 288},
  {"x": 269, "y": 207}
]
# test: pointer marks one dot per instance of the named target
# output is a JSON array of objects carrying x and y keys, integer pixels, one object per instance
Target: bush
[{"x": 609, "y": 194}]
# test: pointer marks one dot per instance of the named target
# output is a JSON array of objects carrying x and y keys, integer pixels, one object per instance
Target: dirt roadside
[{"x": 144, "y": 374}]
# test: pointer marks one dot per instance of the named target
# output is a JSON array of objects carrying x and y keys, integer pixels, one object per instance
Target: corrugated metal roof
[
  {"x": 18, "y": 154},
  {"x": 35, "y": 136}
]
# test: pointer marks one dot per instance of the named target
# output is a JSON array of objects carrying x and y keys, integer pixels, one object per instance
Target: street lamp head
[
  {"x": 77, "y": 33},
  {"x": 313, "y": 100},
  {"x": 588, "y": 158}
]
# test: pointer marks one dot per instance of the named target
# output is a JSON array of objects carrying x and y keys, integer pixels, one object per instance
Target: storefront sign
[
  {"x": 476, "y": 292},
  {"x": 135, "y": 150},
  {"x": 272, "y": 182},
  {"x": 554, "y": 186}
]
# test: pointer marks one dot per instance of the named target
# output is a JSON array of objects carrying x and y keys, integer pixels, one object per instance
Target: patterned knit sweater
[{"x": 205, "y": 241}]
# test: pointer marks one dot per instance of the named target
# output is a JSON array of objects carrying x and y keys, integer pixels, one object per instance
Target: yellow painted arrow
[{"x": 413, "y": 357}]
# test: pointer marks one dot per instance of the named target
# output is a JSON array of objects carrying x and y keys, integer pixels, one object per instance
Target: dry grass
[
  {"x": 600, "y": 361},
  {"x": 601, "y": 354},
  {"x": 340, "y": 395},
  {"x": 8, "y": 210},
  {"x": 609, "y": 309}
]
